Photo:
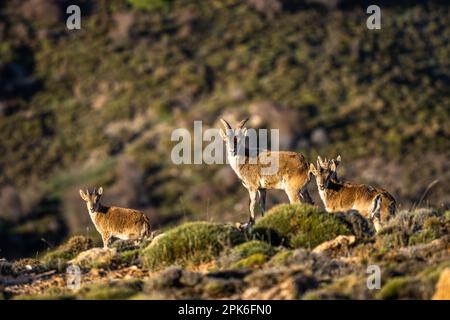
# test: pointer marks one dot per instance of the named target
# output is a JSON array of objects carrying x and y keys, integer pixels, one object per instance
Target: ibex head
[
  {"x": 234, "y": 138},
  {"x": 324, "y": 171},
  {"x": 92, "y": 199}
]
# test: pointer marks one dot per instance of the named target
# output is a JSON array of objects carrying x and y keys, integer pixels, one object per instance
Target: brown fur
[
  {"x": 343, "y": 196},
  {"x": 122, "y": 223},
  {"x": 292, "y": 175}
]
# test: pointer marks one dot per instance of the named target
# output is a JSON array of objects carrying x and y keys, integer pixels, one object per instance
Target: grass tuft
[
  {"x": 190, "y": 244},
  {"x": 299, "y": 225}
]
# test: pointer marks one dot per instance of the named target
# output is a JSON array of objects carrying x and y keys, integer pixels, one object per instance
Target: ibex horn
[
  {"x": 225, "y": 124},
  {"x": 320, "y": 161},
  {"x": 242, "y": 123}
]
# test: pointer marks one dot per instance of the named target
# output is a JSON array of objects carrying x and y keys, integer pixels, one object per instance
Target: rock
[
  {"x": 280, "y": 283},
  {"x": 338, "y": 243},
  {"x": 361, "y": 227},
  {"x": 168, "y": 278},
  {"x": 283, "y": 291},
  {"x": 96, "y": 257},
  {"x": 443, "y": 286}
]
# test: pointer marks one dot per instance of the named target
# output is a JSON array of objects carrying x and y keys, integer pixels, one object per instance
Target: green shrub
[
  {"x": 190, "y": 243},
  {"x": 219, "y": 288},
  {"x": 281, "y": 257},
  {"x": 67, "y": 251},
  {"x": 398, "y": 288},
  {"x": 299, "y": 225},
  {"x": 253, "y": 260},
  {"x": 255, "y": 246},
  {"x": 248, "y": 254},
  {"x": 411, "y": 228},
  {"x": 423, "y": 236},
  {"x": 128, "y": 257},
  {"x": 110, "y": 291}
]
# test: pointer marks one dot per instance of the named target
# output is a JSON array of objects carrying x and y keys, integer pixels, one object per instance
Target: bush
[
  {"x": 248, "y": 254},
  {"x": 423, "y": 236},
  {"x": 253, "y": 260},
  {"x": 249, "y": 248},
  {"x": 281, "y": 258},
  {"x": 413, "y": 227},
  {"x": 190, "y": 243},
  {"x": 109, "y": 291},
  {"x": 299, "y": 225},
  {"x": 406, "y": 288},
  {"x": 67, "y": 251}
]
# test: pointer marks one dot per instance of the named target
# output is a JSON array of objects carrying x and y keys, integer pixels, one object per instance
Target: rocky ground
[{"x": 333, "y": 259}]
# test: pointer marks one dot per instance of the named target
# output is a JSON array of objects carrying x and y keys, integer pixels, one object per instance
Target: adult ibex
[{"x": 291, "y": 172}]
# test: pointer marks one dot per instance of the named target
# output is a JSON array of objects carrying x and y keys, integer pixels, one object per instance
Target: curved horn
[
  {"x": 95, "y": 190},
  {"x": 87, "y": 191},
  {"x": 225, "y": 124},
  {"x": 320, "y": 161},
  {"x": 242, "y": 123}
]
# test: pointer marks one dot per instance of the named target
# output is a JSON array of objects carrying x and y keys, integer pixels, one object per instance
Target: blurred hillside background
[{"x": 97, "y": 106}]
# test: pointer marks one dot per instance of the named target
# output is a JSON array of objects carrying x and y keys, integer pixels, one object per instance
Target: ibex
[
  {"x": 291, "y": 174},
  {"x": 374, "y": 203},
  {"x": 125, "y": 224}
]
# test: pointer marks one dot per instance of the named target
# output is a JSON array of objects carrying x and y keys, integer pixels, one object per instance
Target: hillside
[
  {"x": 295, "y": 252},
  {"x": 97, "y": 106}
]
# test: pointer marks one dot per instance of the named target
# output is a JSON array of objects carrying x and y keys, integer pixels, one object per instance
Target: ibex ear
[
  {"x": 223, "y": 134},
  {"x": 333, "y": 166},
  {"x": 312, "y": 169},
  {"x": 82, "y": 195},
  {"x": 100, "y": 191}
]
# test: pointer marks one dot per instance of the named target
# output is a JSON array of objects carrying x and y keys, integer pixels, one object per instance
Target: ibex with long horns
[
  {"x": 291, "y": 173},
  {"x": 125, "y": 224}
]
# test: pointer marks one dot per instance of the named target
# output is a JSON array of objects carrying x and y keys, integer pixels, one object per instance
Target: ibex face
[
  {"x": 92, "y": 199},
  {"x": 323, "y": 173},
  {"x": 234, "y": 138}
]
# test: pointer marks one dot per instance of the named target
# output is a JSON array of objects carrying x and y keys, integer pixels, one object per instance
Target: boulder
[
  {"x": 337, "y": 244},
  {"x": 96, "y": 257}
]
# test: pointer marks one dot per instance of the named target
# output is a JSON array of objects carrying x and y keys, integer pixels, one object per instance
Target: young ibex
[
  {"x": 376, "y": 204},
  {"x": 291, "y": 172},
  {"x": 125, "y": 224}
]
